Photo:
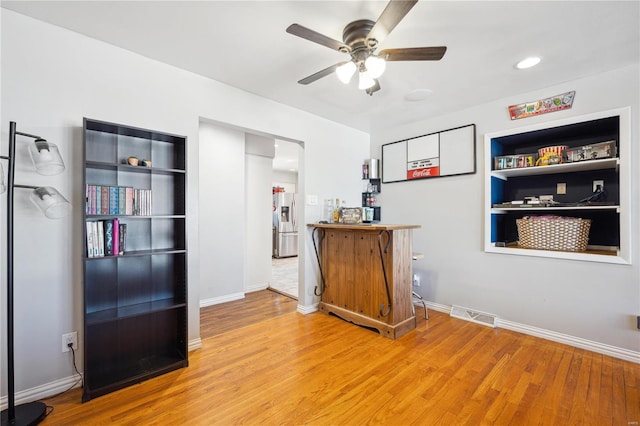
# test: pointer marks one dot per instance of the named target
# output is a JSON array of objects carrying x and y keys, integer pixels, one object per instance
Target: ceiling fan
[{"x": 360, "y": 40}]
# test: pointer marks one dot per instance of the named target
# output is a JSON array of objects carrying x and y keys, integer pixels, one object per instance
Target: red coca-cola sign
[{"x": 423, "y": 173}]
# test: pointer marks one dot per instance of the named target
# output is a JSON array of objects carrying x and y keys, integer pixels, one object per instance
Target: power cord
[
  {"x": 597, "y": 195},
  {"x": 50, "y": 408},
  {"x": 75, "y": 367}
]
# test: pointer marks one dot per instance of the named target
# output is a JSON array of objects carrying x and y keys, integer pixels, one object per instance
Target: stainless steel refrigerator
[{"x": 285, "y": 225}]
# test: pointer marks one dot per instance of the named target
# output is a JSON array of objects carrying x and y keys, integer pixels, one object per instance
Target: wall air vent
[{"x": 473, "y": 316}]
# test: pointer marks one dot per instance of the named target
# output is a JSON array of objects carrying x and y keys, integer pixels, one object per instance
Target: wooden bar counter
[{"x": 366, "y": 275}]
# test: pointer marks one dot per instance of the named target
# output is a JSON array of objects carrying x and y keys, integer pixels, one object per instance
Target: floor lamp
[{"x": 47, "y": 161}]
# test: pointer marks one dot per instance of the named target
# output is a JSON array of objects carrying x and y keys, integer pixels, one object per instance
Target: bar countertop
[{"x": 363, "y": 226}]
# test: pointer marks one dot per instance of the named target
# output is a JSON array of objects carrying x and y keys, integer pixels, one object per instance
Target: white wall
[
  {"x": 51, "y": 78},
  {"x": 259, "y": 211},
  {"x": 222, "y": 212},
  {"x": 592, "y": 301}
]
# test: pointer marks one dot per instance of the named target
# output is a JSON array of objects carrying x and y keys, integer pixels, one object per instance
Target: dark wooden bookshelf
[{"x": 135, "y": 304}]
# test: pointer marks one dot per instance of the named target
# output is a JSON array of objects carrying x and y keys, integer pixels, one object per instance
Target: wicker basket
[{"x": 553, "y": 233}]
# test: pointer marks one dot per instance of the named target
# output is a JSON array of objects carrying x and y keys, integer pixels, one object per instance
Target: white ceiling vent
[{"x": 473, "y": 316}]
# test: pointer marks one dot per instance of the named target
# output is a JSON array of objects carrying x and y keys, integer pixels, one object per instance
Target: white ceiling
[{"x": 244, "y": 44}]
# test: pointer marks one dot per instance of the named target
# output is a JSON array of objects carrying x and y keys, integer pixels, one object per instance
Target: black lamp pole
[{"x": 33, "y": 412}]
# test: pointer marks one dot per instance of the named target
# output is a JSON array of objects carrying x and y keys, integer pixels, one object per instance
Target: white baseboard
[
  {"x": 222, "y": 299},
  {"x": 257, "y": 287},
  {"x": 194, "y": 344},
  {"x": 566, "y": 339},
  {"x": 307, "y": 309},
  {"x": 576, "y": 342},
  {"x": 438, "y": 307},
  {"x": 44, "y": 391}
]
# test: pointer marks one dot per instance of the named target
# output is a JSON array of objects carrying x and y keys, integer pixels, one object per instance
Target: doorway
[{"x": 284, "y": 270}]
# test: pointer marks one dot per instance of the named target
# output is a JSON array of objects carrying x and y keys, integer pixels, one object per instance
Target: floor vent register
[{"x": 473, "y": 316}]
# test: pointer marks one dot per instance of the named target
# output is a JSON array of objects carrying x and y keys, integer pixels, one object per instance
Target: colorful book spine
[
  {"x": 99, "y": 230},
  {"x": 87, "y": 206},
  {"x": 113, "y": 200},
  {"x": 91, "y": 244},
  {"x": 128, "y": 201},
  {"x": 92, "y": 199},
  {"x": 122, "y": 200},
  {"x": 104, "y": 200},
  {"x": 116, "y": 237},
  {"x": 98, "y": 199},
  {"x": 108, "y": 238},
  {"x": 123, "y": 238}
]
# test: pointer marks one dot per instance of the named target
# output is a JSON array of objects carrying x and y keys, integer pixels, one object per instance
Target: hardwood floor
[{"x": 285, "y": 368}]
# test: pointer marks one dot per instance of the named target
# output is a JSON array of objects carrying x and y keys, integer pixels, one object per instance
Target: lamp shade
[
  {"x": 346, "y": 71},
  {"x": 375, "y": 66},
  {"x": 51, "y": 202},
  {"x": 3, "y": 187},
  {"x": 46, "y": 157},
  {"x": 365, "y": 81}
]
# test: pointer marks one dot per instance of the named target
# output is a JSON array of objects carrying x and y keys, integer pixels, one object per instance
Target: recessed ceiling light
[
  {"x": 528, "y": 62},
  {"x": 418, "y": 95}
]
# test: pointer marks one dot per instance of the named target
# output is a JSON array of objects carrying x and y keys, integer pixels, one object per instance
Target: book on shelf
[
  {"x": 91, "y": 244},
  {"x": 122, "y": 200},
  {"x": 113, "y": 200},
  {"x": 99, "y": 230},
  {"x": 117, "y": 201},
  {"x": 106, "y": 238},
  {"x": 98, "y": 199},
  {"x": 122, "y": 238},
  {"x": 128, "y": 207},
  {"x": 104, "y": 200},
  {"x": 116, "y": 237}
]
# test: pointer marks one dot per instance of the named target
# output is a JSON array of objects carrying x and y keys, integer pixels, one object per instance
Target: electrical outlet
[
  {"x": 416, "y": 280},
  {"x": 598, "y": 183},
  {"x": 69, "y": 338},
  {"x": 561, "y": 188}
]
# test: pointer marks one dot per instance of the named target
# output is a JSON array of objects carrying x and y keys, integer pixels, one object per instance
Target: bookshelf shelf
[
  {"x": 132, "y": 169},
  {"x": 135, "y": 309},
  {"x": 138, "y": 253}
]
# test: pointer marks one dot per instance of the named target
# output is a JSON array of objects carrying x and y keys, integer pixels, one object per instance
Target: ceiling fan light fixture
[
  {"x": 365, "y": 81},
  {"x": 346, "y": 71},
  {"x": 375, "y": 66}
]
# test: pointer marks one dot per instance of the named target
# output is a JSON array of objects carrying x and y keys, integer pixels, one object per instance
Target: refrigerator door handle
[{"x": 294, "y": 213}]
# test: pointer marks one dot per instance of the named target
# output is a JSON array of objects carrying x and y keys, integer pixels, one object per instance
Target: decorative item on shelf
[
  {"x": 556, "y": 150},
  {"x": 542, "y": 106},
  {"x": 133, "y": 161},
  {"x": 373, "y": 168},
  {"x": 350, "y": 215},
  {"x": 550, "y": 232},
  {"x": 594, "y": 151},
  {"x": 146, "y": 163},
  {"x": 365, "y": 171},
  {"x": 47, "y": 161},
  {"x": 550, "y": 155},
  {"x": 367, "y": 213}
]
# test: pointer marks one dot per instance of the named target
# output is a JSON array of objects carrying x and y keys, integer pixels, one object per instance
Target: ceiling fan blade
[
  {"x": 414, "y": 54},
  {"x": 391, "y": 16},
  {"x": 317, "y": 76},
  {"x": 316, "y": 37}
]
